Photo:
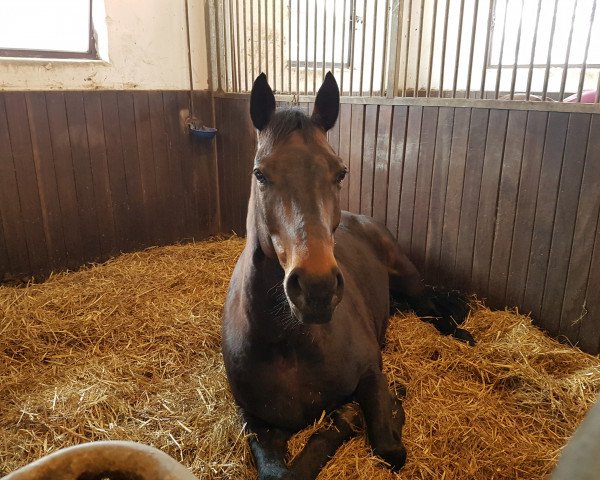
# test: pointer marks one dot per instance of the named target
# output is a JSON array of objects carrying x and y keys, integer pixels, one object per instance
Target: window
[{"x": 47, "y": 29}]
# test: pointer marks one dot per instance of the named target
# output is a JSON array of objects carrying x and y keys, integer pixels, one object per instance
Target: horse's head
[{"x": 296, "y": 197}]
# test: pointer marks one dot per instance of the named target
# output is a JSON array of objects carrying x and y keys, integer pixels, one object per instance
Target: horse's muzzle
[{"x": 313, "y": 298}]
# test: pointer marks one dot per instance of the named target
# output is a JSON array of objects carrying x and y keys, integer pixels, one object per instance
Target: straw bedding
[{"x": 130, "y": 350}]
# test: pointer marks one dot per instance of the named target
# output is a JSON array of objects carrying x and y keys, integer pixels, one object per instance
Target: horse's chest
[{"x": 291, "y": 393}]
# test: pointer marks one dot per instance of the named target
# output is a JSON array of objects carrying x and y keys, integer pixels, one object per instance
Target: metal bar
[
  {"x": 431, "y": 45},
  {"x": 252, "y": 72},
  {"x": 585, "y": 57},
  {"x": 444, "y": 41},
  {"x": 219, "y": 50},
  {"x": 259, "y": 40},
  {"x": 395, "y": 44},
  {"x": 352, "y": 45},
  {"x": 297, "y": 47},
  {"x": 563, "y": 80},
  {"x": 245, "y": 50},
  {"x": 343, "y": 57},
  {"x": 225, "y": 60},
  {"x": 315, "y": 50},
  {"x": 267, "y": 43},
  {"x": 499, "y": 70},
  {"x": 239, "y": 47},
  {"x": 487, "y": 48},
  {"x": 419, "y": 45},
  {"x": 305, "y": 49},
  {"x": 471, "y": 49},
  {"x": 289, "y": 47},
  {"x": 550, "y": 42},
  {"x": 232, "y": 49},
  {"x": 189, "y": 55},
  {"x": 517, "y": 46},
  {"x": 407, "y": 56},
  {"x": 274, "y": 46},
  {"x": 362, "y": 50},
  {"x": 533, "y": 45},
  {"x": 385, "y": 48},
  {"x": 211, "y": 18},
  {"x": 598, "y": 90},
  {"x": 333, "y": 43},
  {"x": 458, "y": 45},
  {"x": 324, "y": 39},
  {"x": 281, "y": 41},
  {"x": 373, "y": 47}
]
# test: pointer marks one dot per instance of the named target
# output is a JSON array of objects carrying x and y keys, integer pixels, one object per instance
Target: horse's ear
[
  {"x": 262, "y": 102},
  {"x": 327, "y": 103}
]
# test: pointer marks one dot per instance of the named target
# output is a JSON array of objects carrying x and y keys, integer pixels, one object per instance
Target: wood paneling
[
  {"x": 86, "y": 175},
  {"x": 502, "y": 203}
]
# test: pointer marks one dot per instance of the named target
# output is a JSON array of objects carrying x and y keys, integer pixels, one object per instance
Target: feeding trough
[{"x": 207, "y": 133}]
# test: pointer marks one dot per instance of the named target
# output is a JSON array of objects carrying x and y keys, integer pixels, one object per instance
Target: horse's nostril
[
  {"x": 339, "y": 285},
  {"x": 293, "y": 286}
]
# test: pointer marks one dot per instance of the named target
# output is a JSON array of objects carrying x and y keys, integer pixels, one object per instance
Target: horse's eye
[
  {"x": 260, "y": 177},
  {"x": 340, "y": 176}
]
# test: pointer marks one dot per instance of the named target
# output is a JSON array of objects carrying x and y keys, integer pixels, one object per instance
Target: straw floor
[{"x": 130, "y": 350}]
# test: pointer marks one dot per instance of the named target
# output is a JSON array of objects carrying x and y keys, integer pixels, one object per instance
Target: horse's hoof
[
  {"x": 396, "y": 458},
  {"x": 278, "y": 474},
  {"x": 464, "y": 336}
]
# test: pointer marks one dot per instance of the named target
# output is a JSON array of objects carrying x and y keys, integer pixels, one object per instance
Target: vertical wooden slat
[
  {"x": 174, "y": 131},
  {"x": 564, "y": 221},
  {"x": 382, "y": 160},
  {"x": 31, "y": 209},
  {"x": 205, "y": 173},
  {"x": 507, "y": 204},
  {"x": 409, "y": 177},
  {"x": 166, "y": 198},
  {"x": 143, "y": 133},
  {"x": 488, "y": 198},
  {"x": 478, "y": 130},
  {"x": 135, "y": 196},
  {"x": 439, "y": 183},
  {"x": 116, "y": 171},
  {"x": 575, "y": 315},
  {"x": 82, "y": 171},
  {"x": 368, "y": 160},
  {"x": 396, "y": 167},
  {"x": 345, "y": 122},
  {"x": 454, "y": 194},
  {"x": 100, "y": 173},
  {"x": 15, "y": 236},
  {"x": 525, "y": 209},
  {"x": 65, "y": 177},
  {"x": 46, "y": 179},
  {"x": 423, "y": 185},
  {"x": 189, "y": 166},
  {"x": 356, "y": 153},
  {"x": 543, "y": 219}
]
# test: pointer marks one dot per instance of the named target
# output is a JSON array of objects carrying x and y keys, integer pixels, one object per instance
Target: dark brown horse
[{"x": 308, "y": 302}]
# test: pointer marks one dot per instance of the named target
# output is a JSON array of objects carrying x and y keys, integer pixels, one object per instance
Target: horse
[{"x": 309, "y": 299}]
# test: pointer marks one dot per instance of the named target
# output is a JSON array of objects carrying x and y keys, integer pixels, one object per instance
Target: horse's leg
[
  {"x": 445, "y": 310},
  {"x": 322, "y": 445},
  {"x": 384, "y": 418},
  {"x": 269, "y": 449}
]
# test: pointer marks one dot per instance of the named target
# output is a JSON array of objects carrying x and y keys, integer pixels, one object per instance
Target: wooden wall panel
[
  {"x": 86, "y": 175},
  {"x": 502, "y": 203},
  {"x": 499, "y": 203}
]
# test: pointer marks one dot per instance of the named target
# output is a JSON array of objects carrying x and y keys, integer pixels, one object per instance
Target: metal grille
[{"x": 470, "y": 49}]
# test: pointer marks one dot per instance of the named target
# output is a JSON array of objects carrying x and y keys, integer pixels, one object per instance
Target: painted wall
[{"x": 147, "y": 48}]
